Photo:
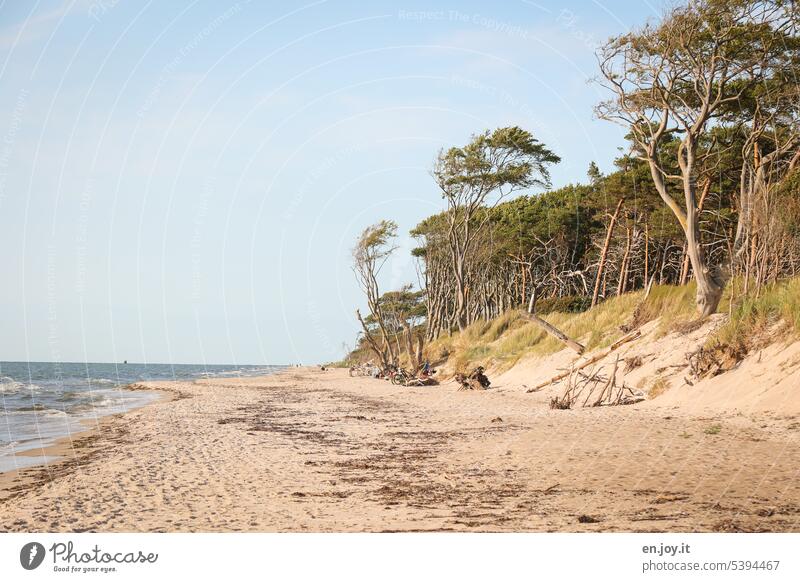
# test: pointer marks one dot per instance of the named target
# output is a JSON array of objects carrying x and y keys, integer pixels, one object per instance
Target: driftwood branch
[
  {"x": 552, "y": 330},
  {"x": 589, "y": 361},
  {"x": 612, "y": 379}
]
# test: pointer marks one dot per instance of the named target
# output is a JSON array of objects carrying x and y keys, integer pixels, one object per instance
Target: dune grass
[
  {"x": 753, "y": 316},
  {"x": 510, "y": 337},
  {"x": 502, "y": 342},
  {"x": 673, "y": 304},
  {"x": 658, "y": 387}
]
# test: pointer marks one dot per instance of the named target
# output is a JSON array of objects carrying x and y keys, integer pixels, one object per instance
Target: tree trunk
[
  {"x": 554, "y": 331},
  {"x": 371, "y": 341},
  {"x": 684, "y": 267},
  {"x": 604, "y": 253},
  {"x": 646, "y": 251},
  {"x": 623, "y": 269},
  {"x": 412, "y": 360},
  {"x": 710, "y": 283},
  {"x": 461, "y": 299}
]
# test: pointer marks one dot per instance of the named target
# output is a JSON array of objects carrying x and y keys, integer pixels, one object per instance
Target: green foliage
[
  {"x": 567, "y": 304},
  {"x": 566, "y": 216},
  {"x": 506, "y": 157},
  {"x": 375, "y": 239},
  {"x": 404, "y": 304}
]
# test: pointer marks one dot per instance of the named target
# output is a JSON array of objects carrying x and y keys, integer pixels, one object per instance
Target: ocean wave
[
  {"x": 104, "y": 393},
  {"x": 102, "y": 381},
  {"x": 37, "y": 410},
  {"x": 82, "y": 408},
  {"x": 10, "y": 386},
  {"x": 70, "y": 396},
  {"x": 8, "y": 448},
  {"x": 97, "y": 400}
]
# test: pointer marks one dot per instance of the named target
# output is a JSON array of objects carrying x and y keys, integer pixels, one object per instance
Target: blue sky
[{"x": 183, "y": 182}]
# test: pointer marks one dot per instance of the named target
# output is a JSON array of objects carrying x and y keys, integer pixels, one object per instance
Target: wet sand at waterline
[{"x": 307, "y": 450}]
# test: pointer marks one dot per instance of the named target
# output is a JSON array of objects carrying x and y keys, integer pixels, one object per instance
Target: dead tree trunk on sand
[{"x": 555, "y": 332}]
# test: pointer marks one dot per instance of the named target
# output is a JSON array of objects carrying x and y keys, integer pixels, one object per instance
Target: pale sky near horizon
[{"x": 182, "y": 182}]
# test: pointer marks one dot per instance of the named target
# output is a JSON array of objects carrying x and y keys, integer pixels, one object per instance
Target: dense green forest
[{"x": 708, "y": 191}]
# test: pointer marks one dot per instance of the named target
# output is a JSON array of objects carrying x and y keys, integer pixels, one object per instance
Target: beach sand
[{"x": 307, "y": 450}]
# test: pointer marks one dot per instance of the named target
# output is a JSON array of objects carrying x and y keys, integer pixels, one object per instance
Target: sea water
[{"x": 41, "y": 402}]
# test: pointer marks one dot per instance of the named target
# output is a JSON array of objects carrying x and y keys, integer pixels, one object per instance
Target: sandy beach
[{"x": 307, "y": 450}]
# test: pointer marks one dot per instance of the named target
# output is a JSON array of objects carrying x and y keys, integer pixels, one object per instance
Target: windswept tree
[
  {"x": 490, "y": 167},
  {"x": 674, "y": 81},
  {"x": 405, "y": 311},
  {"x": 373, "y": 249}
]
